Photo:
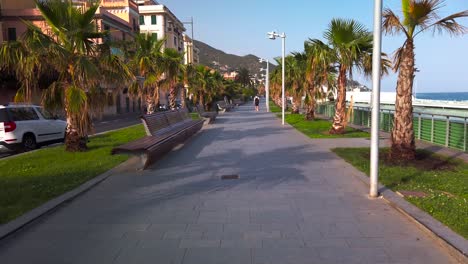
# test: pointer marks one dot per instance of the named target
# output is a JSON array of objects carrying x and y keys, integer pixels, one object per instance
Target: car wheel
[{"x": 29, "y": 142}]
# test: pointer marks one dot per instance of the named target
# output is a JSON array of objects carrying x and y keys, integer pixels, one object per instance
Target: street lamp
[
  {"x": 273, "y": 35},
  {"x": 267, "y": 83},
  {"x": 376, "y": 73}
]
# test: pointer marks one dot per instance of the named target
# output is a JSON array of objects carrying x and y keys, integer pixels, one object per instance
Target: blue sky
[{"x": 240, "y": 27}]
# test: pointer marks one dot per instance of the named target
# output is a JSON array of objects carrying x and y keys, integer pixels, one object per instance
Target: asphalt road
[{"x": 107, "y": 124}]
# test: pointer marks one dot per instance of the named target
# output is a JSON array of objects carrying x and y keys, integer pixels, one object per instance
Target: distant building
[
  {"x": 189, "y": 51},
  {"x": 118, "y": 17},
  {"x": 157, "y": 20},
  {"x": 231, "y": 75}
]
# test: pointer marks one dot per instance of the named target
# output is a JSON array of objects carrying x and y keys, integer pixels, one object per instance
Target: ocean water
[{"x": 460, "y": 96}]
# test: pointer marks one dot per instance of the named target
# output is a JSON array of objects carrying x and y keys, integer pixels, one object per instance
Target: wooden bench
[
  {"x": 164, "y": 131},
  {"x": 211, "y": 116},
  {"x": 223, "y": 106}
]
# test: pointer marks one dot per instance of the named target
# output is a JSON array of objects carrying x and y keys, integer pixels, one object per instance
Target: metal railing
[{"x": 446, "y": 130}]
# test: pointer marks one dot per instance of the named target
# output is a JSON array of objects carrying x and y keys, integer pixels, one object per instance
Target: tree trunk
[
  {"x": 172, "y": 96},
  {"x": 201, "y": 100},
  {"x": 296, "y": 105},
  {"x": 340, "y": 109},
  {"x": 74, "y": 142},
  {"x": 149, "y": 104},
  {"x": 403, "y": 146},
  {"x": 183, "y": 98},
  {"x": 310, "y": 114}
]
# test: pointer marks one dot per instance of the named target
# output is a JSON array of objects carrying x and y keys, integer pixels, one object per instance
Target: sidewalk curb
[
  {"x": 456, "y": 245},
  {"x": 453, "y": 243},
  {"x": 29, "y": 217}
]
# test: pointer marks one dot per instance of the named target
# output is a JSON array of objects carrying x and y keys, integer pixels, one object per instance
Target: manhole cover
[
  {"x": 412, "y": 194},
  {"x": 230, "y": 177}
]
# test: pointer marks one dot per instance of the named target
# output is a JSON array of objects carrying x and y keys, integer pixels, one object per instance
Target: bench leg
[{"x": 144, "y": 161}]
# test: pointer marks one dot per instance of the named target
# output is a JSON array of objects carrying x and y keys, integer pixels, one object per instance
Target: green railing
[{"x": 449, "y": 131}]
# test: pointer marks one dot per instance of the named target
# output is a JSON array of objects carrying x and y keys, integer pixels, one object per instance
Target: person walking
[{"x": 256, "y": 102}]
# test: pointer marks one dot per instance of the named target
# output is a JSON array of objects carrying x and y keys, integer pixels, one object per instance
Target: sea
[{"x": 458, "y": 96}]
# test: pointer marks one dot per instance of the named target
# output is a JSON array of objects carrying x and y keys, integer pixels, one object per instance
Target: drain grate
[{"x": 230, "y": 177}]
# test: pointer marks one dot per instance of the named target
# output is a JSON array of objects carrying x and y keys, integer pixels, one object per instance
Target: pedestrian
[{"x": 256, "y": 102}]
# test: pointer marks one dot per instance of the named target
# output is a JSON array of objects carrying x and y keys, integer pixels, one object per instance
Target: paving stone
[
  {"x": 200, "y": 243},
  {"x": 295, "y": 202},
  {"x": 218, "y": 256}
]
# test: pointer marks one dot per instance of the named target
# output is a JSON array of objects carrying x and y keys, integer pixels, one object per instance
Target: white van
[{"x": 27, "y": 127}]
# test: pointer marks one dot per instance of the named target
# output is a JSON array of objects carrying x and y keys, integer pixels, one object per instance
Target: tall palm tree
[
  {"x": 418, "y": 16},
  {"x": 319, "y": 73},
  {"x": 244, "y": 77},
  {"x": 147, "y": 63},
  {"x": 83, "y": 66},
  {"x": 173, "y": 67},
  {"x": 350, "y": 42}
]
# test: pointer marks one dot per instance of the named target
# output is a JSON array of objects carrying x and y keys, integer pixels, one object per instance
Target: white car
[{"x": 26, "y": 127}]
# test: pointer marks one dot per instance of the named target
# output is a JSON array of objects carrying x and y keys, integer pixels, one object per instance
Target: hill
[{"x": 225, "y": 62}]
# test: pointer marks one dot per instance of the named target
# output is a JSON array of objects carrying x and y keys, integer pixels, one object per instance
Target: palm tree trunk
[
  {"x": 403, "y": 146},
  {"x": 340, "y": 109},
  {"x": 201, "y": 99},
  {"x": 183, "y": 97},
  {"x": 74, "y": 142},
  {"x": 149, "y": 104},
  {"x": 310, "y": 114},
  {"x": 296, "y": 105},
  {"x": 172, "y": 96}
]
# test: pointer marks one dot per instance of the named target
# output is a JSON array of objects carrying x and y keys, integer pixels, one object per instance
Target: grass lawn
[
  {"x": 29, "y": 180},
  {"x": 317, "y": 128},
  {"x": 444, "y": 180}
]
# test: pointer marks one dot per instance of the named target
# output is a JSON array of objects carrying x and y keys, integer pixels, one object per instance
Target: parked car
[{"x": 27, "y": 127}]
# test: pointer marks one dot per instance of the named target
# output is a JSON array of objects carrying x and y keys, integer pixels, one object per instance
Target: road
[{"x": 106, "y": 124}]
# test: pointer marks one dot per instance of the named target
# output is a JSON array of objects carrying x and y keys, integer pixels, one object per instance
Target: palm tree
[
  {"x": 275, "y": 82},
  {"x": 418, "y": 16},
  {"x": 83, "y": 66},
  {"x": 244, "y": 77},
  {"x": 350, "y": 43},
  {"x": 319, "y": 73},
  {"x": 147, "y": 63},
  {"x": 173, "y": 67}
]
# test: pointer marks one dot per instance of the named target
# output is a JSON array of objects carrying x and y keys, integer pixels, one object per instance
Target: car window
[
  {"x": 4, "y": 115},
  {"x": 46, "y": 114},
  {"x": 23, "y": 114}
]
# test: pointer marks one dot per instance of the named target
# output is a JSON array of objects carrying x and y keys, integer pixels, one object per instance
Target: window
[
  {"x": 46, "y": 114},
  {"x": 175, "y": 41},
  {"x": 153, "y": 19},
  {"x": 23, "y": 114},
  {"x": 4, "y": 115},
  {"x": 142, "y": 20},
  {"x": 154, "y": 36},
  {"x": 11, "y": 34}
]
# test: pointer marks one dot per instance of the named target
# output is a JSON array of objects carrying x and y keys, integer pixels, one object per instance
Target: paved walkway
[{"x": 295, "y": 202}]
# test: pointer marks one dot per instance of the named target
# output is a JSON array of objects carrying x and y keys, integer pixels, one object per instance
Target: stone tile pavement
[{"x": 295, "y": 202}]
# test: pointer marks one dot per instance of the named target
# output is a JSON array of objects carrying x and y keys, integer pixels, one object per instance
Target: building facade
[{"x": 158, "y": 21}]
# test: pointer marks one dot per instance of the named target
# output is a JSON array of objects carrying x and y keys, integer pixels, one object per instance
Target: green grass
[
  {"x": 317, "y": 128},
  {"x": 446, "y": 186},
  {"x": 31, "y": 179},
  {"x": 195, "y": 116}
]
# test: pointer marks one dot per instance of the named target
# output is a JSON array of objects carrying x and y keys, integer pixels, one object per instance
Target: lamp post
[
  {"x": 273, "y": 35},
  {"x": 376, "y": 74},
  {"x": 267, "y": 83}
]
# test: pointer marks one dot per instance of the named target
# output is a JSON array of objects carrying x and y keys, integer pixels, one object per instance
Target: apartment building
[
  {"x": 158, "y": 21},
  {"x": 118, "y": 17}
]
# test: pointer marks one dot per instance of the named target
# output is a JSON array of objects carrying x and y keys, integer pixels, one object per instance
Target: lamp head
[{"x": 272, "y": 35}]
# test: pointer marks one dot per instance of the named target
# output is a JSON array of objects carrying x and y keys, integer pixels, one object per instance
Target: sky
[{"x": 240, "y": 27}]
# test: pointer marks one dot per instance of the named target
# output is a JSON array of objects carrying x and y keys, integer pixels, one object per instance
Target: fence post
[
  {"x": 389, "y": 121},
  {"x": 447, "y": 132},
  {"x": 419, "y": 126},
  {"x": 432, "y": 130},
  {"x": 464, "y": 145}
]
